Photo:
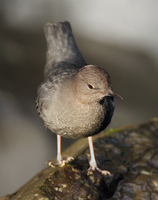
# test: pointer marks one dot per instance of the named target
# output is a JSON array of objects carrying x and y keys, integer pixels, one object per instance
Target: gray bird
[{"x": 75, "y": 100}]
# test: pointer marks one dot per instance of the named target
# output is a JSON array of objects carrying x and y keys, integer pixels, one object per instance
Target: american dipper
[{"x": 75, "y": 100}]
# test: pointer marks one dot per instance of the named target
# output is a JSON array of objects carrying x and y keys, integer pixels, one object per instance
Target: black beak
[
  {"x": 113, "y": 94},
  {"x": 117, "y": 96}
]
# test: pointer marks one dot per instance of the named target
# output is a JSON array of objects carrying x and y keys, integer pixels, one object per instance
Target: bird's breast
[{"x": 75, "y": 120}]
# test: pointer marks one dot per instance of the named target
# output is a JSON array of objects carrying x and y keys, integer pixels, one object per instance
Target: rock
[{"x": 129, "y": 153}]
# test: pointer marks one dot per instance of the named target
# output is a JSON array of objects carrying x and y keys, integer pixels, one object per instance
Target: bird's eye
[{"x": 90, "y": 86}]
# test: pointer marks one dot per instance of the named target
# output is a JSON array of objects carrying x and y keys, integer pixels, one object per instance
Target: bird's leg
[
  {"x": 60, "y": 161},
  {"x": 93, "y": 163},
  {"x": 59, "y": 156}
]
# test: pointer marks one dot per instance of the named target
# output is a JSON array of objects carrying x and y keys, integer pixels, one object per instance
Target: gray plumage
[{"x": 75, "y": 100}]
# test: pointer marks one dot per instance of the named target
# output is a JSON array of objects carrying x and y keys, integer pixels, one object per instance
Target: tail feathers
[{"x": 61, "y": 45}]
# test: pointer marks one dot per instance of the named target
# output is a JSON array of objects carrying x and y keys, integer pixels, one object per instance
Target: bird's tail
[{"x": 61, "y": 45}]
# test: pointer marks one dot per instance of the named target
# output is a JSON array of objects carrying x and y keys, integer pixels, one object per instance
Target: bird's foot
[
  {"x": 92, "y": 169},
  {"x": 60, "y": 163}
]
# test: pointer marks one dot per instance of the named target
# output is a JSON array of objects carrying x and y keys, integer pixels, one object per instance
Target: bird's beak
[
  {"x": 117, "y": 96},
  {"x": 113, "y": 94}
]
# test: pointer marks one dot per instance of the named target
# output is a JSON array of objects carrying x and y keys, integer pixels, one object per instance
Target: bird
[{"x": 76, "y": 99}]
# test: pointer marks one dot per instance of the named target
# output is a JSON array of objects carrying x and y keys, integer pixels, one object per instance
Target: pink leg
[
  {"x": 60, "y": 161},
  {"x": 59, "y": 156},
  {"x": 93, "y": 163}
]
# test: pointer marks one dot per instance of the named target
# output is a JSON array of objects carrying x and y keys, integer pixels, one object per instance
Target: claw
[
  {"x": 50, "y": 163},
  {"x": 61, "y": 164},
  {"x": 69, "y": 159},
  {"x": 103, "y": 172}
]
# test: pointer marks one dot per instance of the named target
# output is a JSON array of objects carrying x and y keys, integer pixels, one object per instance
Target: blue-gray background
[{"x": 121, "y": 36}]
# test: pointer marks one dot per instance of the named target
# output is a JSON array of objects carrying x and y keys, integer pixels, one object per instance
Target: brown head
[{"x": 92, "y": 83}]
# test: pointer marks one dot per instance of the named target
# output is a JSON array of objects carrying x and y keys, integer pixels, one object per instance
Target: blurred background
[{"x": 120, "y": 36}]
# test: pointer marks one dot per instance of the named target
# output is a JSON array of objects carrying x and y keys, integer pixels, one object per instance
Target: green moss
[{"x": 112, "y": 130}]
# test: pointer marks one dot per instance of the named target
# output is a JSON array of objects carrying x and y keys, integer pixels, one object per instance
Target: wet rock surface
[{"x": 129, "y": 153}]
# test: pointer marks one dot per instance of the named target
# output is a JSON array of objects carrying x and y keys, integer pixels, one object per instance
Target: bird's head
[{"x": 92, "y": 83}]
